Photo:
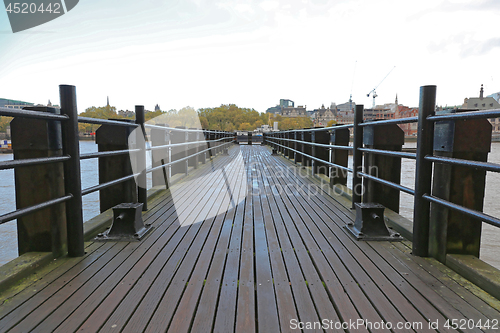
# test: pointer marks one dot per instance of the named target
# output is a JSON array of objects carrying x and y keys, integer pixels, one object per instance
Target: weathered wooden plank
[
  {"x": 15, "y": 296},
  {"x": 163, "y": 314},
  {"x": 158, "y": 274},
  {"x": 31, "y": 313},
  {"x": 267, "y": 313},
  {"x": 206, "y": 309},
  {"x": 210, "y": 255},
  {"x": 411, "y": 292},
  {"x": 284, "y": 295},
  {"x": 319, "y": 295},
  {"x": 126, "y": 281},
  {"x": 431, "y": 275},
  {"x": 245, "y": 310},
  {"x": 226, "y": 308},
  {"x": 301, "y": 295}
]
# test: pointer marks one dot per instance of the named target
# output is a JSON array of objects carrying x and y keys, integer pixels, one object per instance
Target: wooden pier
[{"x": 272, "y": 256}]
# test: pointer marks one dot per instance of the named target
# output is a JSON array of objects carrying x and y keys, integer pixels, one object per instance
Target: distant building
[
  {"x": 484, "y": 103},
  {"x": 13, "y": 104},
  {"x": 286, "y": 103},
  {"x": 157, "y": 107},
  {"x": 298, "y": 111},
  {"x": 345, "y": 113},
  {"x": 323, "y": 115},
  {"x": 274, "y": 110},
  {"x": 127, "y": 113},
  {"x": 287, "y": 108}
]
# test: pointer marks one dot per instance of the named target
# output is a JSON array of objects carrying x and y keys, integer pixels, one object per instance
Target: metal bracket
[
  {"x": 370, "y": 225},
  {"x": 127, "y": 226}
]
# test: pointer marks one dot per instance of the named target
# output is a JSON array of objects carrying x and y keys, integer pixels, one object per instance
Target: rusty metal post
[
  {"x": 423, "y": 171},
  {"x": 357, "y": 159},
  {"x": 72, "y": 173},
  {"x": 451, "y": 231},
  {"x": 109, "y": 138},
  {"x": 385, "y": 137},
  {"x": 45, "y": 230},
  {"x": 339, "y": 137},
  {"x": 160, "y": 137}
]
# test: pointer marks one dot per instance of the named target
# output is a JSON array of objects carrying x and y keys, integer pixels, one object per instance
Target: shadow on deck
[{"x": 246, "y": 244}]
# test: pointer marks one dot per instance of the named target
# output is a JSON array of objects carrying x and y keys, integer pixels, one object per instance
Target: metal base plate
[
  {"x": 394, "y": 237},
  {"x": 104, "y": 237}
]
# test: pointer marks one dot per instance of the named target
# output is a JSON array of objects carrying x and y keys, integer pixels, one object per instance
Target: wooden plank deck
[{"x": 246, "y": 244}]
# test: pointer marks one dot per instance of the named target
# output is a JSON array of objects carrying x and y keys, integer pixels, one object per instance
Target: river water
[{"x": 490, "y": 250}]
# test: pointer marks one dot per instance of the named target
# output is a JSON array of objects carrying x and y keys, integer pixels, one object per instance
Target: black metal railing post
[
  {"x": 357, "y": 158},
  {"x": 339, "y": 137},
  {"x": 72, "y": 174},
  {"x": 142, "y": 190},
  {"x": 423, "y": 174}
]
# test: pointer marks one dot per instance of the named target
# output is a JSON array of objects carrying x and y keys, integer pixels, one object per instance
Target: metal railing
[
  {"x": 68, "y": 121},
  {"x": 289, "y": 144}
]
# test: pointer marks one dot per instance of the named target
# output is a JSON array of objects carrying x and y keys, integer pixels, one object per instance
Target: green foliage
[
  {"x": 187, "y": 117},
  {"x": 103, "y": 112},
  {"x": 231, "y": 117},
  {"x": 4, "y": 122},
  {"x": 331, "y": 123},
  {"x": 285, "y": 123}
]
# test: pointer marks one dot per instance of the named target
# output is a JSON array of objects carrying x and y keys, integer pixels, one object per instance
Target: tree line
[{"x": 227, "y": 117}]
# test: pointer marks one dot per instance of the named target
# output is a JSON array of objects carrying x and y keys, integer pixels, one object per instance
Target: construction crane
[{"x": 374, "y": 92}]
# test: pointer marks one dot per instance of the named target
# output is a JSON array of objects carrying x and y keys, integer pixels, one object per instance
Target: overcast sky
[{"x": 203, "y": 53}]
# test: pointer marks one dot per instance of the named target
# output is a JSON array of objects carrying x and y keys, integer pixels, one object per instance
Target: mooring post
[
  {"x": 110, "y": 138},
  {"x": 423, "y": 171},
  {"x": 72, "y": 174},
  {"x": 142, "y": 189},
  {"x": 45, "y": 230},
  {"x": 339, "y": 137},
  {"x": 449, "y": 230},
  {"x": 357, "y": 158},
  {"x": 384, "y": 137},
  {"x": 160, "y": 137}
]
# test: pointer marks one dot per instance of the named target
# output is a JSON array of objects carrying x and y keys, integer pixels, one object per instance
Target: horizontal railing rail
[
  {"x": 316, "y": 158},
  {"x": 301, "y": 146},
  {"x": 66, "y": 145},
  {"x": 32, "y": 209}
]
